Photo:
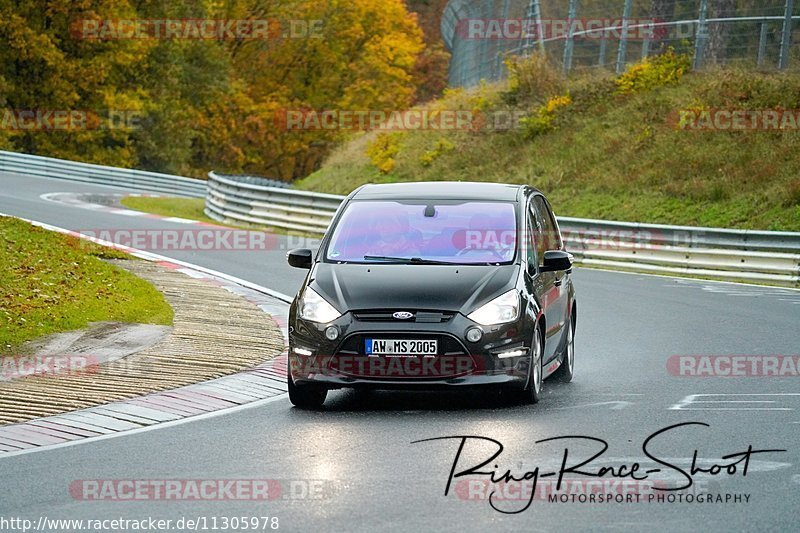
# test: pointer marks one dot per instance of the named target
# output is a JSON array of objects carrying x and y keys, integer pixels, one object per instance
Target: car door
[
  {"x": 542, "y": 283},
  {"x": 555, "y": 296}
]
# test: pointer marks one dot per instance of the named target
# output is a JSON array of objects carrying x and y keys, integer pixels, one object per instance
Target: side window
[
  {"x": 537, "y": 237},
  {"x": 552, "y": 239}
]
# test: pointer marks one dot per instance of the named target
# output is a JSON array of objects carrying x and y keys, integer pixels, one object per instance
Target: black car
[{"x": 434, "y": 285}]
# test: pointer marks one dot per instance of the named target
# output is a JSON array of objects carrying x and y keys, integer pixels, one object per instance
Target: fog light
[
  {"x": 474, "y": 335},
  {"x": 332, "y": 333}
]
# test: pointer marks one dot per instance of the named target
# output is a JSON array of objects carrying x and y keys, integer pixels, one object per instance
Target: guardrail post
[
  {"x": 702, "y": 35},
  {"x": 762, "y": 44},
  {"x": 622, "y": 53},
  {"x": 570, "y": 44},
  {"x": 786, "y": 41}
]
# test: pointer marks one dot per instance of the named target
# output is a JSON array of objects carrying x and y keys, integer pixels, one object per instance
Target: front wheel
[
  {"x": 533, "y": 389},
  {"x": 306, "y": 396},
  {"x": 566, "y": 371},
  {"x": 533, "y": 392}
]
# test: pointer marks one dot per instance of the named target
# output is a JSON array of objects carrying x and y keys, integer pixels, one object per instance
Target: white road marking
[
  {"x": 192, "y": 273},
  {"x": 698, "y": 402},
  {"x": 127, "y": 212},
  {"x": 179, "y": 220}
]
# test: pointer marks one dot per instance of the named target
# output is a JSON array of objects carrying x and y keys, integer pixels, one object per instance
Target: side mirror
[
  {"x": 300, "y": 258},
  {"x": 556, "y": 261}
]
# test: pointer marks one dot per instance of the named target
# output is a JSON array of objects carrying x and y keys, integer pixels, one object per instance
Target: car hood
[{"x": 411, "y": 287}]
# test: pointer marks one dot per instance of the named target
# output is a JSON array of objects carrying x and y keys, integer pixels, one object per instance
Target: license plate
[{"x": 401, "y": 347}]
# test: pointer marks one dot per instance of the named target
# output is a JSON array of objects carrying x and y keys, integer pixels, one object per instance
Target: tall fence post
[
  {"x": 534, "y": 14},
  {"x": 786, "y": 42},
  {"x": 702, "y": 35},
  {"x": 603, "y": 50},
  {"x": 570, "y": 44},
  {"x": 622, "y": 53},
  {"x": 762, "y": 44},
  {"x": 485, "y": 44},
  {"x": 498, "y": 59}
]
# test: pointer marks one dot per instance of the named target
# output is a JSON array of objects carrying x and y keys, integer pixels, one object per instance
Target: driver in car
[{"x": 396, "y": 238}]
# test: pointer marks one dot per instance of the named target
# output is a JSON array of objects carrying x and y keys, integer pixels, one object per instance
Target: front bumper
[{"x": 459, "y": 363}]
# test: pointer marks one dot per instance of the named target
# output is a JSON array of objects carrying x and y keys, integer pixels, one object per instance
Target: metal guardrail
[
  {"x": 232, "y": 199},
  {"x": 705, "y": 254},
  {"x": 137, "y": 180},
  {"x": 723, "y": 254}
]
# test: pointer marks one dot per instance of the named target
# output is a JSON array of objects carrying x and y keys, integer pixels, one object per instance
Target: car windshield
[{"x": 432, "y": 232}]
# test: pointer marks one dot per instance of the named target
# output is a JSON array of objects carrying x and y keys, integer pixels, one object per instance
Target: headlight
[
  {"x": 314, "y": 308},
  {"x": 504, "y": 308}
]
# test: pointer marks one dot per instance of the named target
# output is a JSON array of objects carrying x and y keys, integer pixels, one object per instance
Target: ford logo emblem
[{"x": 403, "y": 315}]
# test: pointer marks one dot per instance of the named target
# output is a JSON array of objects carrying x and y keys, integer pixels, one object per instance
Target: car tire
[
  {"x": 533, "y": 388},
  {"x": 533, "y": 391},
  {"x": 306, "y": 396},
  {"x": 566, "y": 372}
]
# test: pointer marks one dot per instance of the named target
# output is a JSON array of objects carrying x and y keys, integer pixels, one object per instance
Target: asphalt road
[{"x": 359, "y": 449}]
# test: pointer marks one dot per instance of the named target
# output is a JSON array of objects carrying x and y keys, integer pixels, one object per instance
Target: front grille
[{"x": 420, "y": 317}]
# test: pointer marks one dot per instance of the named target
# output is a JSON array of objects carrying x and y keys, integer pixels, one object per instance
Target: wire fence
[{"x": 612, "y": 34}]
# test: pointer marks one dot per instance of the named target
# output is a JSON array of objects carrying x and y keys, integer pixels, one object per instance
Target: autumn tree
[
  {"x": 205, "y": 103},
  {"x": 361, "y": 57}
]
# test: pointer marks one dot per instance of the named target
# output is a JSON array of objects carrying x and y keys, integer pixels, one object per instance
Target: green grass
[
  {"x": 611, "y": 156},
  {"x": 51, "y": 283},
  {"x": 189, "y": 208}
]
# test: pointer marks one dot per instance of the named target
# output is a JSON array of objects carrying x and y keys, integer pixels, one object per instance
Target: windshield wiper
[{"x": 406, "y": 260}]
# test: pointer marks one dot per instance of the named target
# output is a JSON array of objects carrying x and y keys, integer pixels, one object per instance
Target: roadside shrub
[
  {"x": 546, "y": 117},
  {"x": 443, "y": 146},
  {"x": 653, "y": 72},
  {"x": 532, "y": 78},
  {"x": 383, "y": 150}
]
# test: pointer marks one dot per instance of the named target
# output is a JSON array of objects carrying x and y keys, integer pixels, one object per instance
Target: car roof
[{"x": 439, "y": 190}]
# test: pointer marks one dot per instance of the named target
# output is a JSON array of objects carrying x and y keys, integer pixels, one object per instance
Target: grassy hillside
[
  {"x": 606, "y": 147},
  {"x": 51, "y": 282}
]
